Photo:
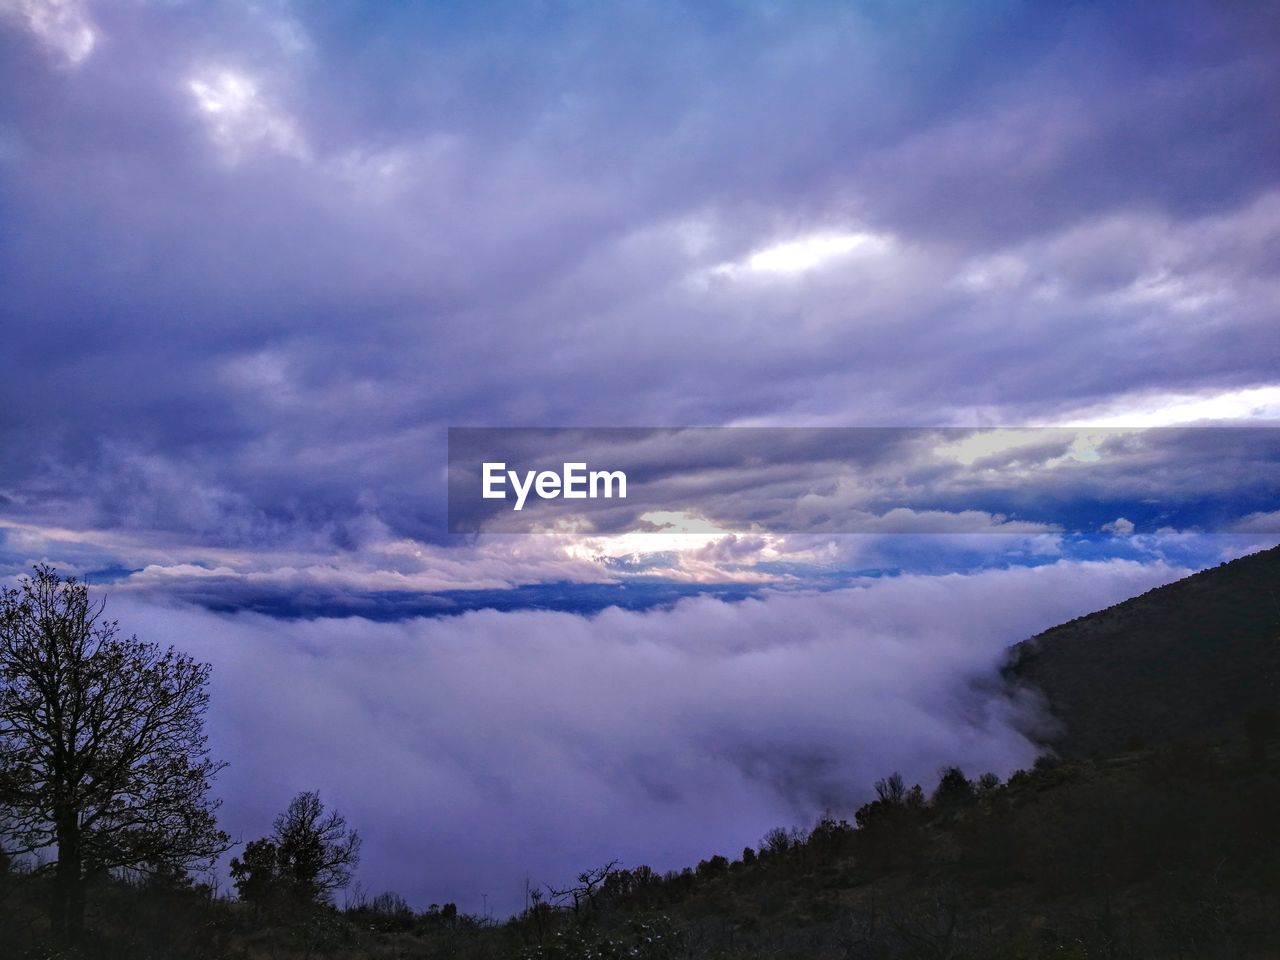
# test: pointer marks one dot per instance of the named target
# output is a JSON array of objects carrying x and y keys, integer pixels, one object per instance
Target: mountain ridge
[{"x": 1189, "y": 658}]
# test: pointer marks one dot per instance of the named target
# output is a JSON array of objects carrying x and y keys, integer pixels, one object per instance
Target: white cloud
[
  {"x": 1119, "y": 526},
  {"x": 240, "y": 118},
  {"x": 63, "y": 26},
  {"x": 1260, "y": 522},
  {"x": 806, "y": 253},
  {"x": 1167, "y": 408}
]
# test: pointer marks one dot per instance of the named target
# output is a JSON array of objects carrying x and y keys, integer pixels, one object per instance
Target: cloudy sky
[{"x": 258, "y": 257}]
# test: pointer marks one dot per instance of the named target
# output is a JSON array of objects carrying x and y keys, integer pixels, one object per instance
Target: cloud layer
[
  {"x": 259, "y": 256},
  {"x": 478, "y": 751}
]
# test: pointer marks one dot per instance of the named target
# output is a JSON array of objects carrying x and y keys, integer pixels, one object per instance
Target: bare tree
[
  {"x": 589, "y": 884},
  {"x": 315, "y": 854},
  {"x": 892, "y": 790},
  {"x": 105, "y": 756}
]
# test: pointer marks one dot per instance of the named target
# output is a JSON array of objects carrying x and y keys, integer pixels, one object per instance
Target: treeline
[{"x": 1172, "y": 852}]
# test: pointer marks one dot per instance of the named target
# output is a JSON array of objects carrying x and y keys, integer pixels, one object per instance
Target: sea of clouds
[{"x": 477, "y": 752}]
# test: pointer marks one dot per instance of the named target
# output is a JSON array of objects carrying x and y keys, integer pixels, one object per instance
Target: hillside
[
  {"x": 1159, "y": 853},
  {"x": 1192, "y": 658}
]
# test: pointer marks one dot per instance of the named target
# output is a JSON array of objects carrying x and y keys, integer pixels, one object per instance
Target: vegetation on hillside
[
  {"x": 1185, "y": 659},
  {"x": 1170, "y": 852}
]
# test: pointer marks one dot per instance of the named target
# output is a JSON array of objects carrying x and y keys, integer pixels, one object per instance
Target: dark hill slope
[{"x": 1186, "y": 659}]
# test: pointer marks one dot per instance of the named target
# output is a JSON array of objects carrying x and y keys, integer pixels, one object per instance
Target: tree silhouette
[
  {"x": 954, "y": 790},
  {"x": 892, "y": 790},
  {"x": 309, "y": 856},
  {"x": 105, "y": 756},
  {"x": 257, "y": 873},
  {"x": 589, "y": 884}
]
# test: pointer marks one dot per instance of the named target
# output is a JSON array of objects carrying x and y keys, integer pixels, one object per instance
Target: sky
[{"x": 258, "y": 257}]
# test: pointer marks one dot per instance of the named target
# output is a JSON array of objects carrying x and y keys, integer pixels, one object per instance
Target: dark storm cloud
[
  {"x": 862, "y": 480},
  {"x": 256, "y": 257}
]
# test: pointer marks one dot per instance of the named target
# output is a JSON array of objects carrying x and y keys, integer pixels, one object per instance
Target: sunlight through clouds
[
  {"x": 240, "y": 118},
  {"x": 1260, "y": 403},
  {"x": 806, "y": 253}
]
